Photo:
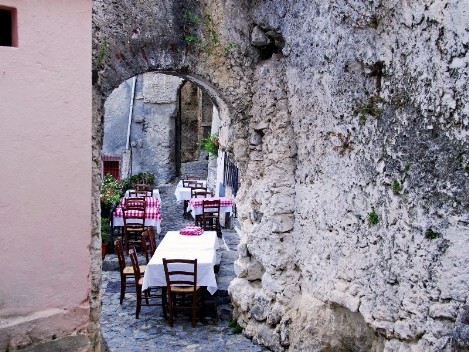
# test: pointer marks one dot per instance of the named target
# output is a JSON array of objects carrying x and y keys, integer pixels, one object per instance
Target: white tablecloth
[
  {"x": 184, "y": 193},
  {"x": 156, "y": 193},
  {"x": 176, "y": 246}
]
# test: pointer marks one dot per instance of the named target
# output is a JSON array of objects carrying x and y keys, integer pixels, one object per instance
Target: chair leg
[
  {"x": 164, "y": 299},
  {"x": 147, "y": 293},
  {"x": 194, "y": 299},
  {"x": 139, "y": 302},
  {"x": 123, "y": 285},
  {"x": 171, "y": 309}
]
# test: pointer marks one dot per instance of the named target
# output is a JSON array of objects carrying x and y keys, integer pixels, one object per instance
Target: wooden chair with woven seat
[
  {"x": 134, "y": 220},
  {"x": 125, "y": 271},
  {"x": 210, "y": 218},
  {"x": 148, "y": 293},
  {"x": 183, "y": 292}
]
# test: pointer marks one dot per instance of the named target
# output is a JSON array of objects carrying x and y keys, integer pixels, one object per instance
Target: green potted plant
[
  {"x": 146, "y": 178},
  {"x": 210, "y": 144}
]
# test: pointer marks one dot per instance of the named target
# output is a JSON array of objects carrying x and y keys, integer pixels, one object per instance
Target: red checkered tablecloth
[
  {"x": 197, "y": 202},
  {"x": 191, "y": 231},
  {"x": 151, "y": 201},
  {"x": 150, "y": 213}
]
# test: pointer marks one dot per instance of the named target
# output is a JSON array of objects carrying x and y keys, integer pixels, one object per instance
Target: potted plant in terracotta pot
[{"x": 105, "y": 235}]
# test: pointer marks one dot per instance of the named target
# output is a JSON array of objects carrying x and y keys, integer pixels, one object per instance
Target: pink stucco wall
[{"x": 45, "y": 167}]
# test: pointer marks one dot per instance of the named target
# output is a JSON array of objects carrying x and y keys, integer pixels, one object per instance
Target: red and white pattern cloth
[
  {"x": 150, "y": 213},
  {"x": 191, "y": 231},
  {"x": 152, "y": 202},
  {"x": 224, "y": 202}
]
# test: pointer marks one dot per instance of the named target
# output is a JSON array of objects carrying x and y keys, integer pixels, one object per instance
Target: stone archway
[{"x": 124, "y": 47}]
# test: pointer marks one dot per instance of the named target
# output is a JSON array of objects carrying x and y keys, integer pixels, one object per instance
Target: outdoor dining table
[
  {"x": 177, "y": 246},
  {"x": 184, "y": 193},
  {"x": 152, "y": 214},
  {"x": 195, "y": 205}
]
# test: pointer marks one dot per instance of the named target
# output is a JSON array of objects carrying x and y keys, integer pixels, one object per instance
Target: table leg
[{"x": 164, "y": 299}]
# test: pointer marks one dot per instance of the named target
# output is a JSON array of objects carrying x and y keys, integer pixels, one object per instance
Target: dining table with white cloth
[
  {"x": 184, "y": 193},
  {"x": 195, "y": 205},
  {"x": 177, "y": 246}
]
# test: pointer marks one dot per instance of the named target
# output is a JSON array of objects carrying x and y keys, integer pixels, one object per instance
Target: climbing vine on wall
[{"x": 200, "y": 32}]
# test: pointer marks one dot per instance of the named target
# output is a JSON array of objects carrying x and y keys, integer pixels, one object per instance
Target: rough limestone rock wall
[{"x": 354, "y": 200}]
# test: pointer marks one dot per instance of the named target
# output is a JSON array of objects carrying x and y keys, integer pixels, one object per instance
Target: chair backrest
[
  {"x": 134, "y": 210},
  {"x": 210, "y": 206},
  {"x": 176, "y": 275},
  {"x": 140, "y": 194},
  {"x": 120, "y": 254},
  {"x": 201, "y": 193},
  {"x": 192, "y": 177},
  {"x": 134, "y": 203},
  {"x": 146, "y": 245},
  {"x": 198, "y": 189},
  {"x": 151, "y": 235},
  {"x": 136, "y": 267}
]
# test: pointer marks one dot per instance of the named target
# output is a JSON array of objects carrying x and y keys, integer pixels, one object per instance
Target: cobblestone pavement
[{"x": 123, "y": 332}]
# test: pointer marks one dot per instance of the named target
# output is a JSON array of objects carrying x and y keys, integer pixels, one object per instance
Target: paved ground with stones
[{"x": 123, "y": 332}]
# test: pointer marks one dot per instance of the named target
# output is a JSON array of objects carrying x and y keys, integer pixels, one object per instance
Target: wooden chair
[
  {"x": 148, "y": 243},
  {"x": 141, "y": 187},
  {"x": 183, "y": 292},
  {"x": 151, "y": 234},
  {"x": 125, "y": 271},
  {"x": 134, "y": 220},
  {"x": 147, "y": 294},
  {"x": 199, "y": 190},
  {"x": 200, "y": 193},
  {"x": 192, "y": 184},
  {"x": 138, "y": 194},
  {"x": 193, "y": 177},
  {"x": 146, "y": 246},
  {"x": 210, "y": 218}
]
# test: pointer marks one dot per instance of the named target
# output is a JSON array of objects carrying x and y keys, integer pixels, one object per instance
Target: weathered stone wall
[
  {"x": 357, "y": 108},
  {"x": 308, "y": 250}
]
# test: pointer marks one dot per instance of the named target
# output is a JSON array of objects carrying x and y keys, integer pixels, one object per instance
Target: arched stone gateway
[{"x": 348, "y": 121}]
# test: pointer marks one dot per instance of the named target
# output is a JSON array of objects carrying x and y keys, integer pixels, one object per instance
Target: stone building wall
[
  {"x": 339, "y": 112},
  {"x": 153, "y": 127}
]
